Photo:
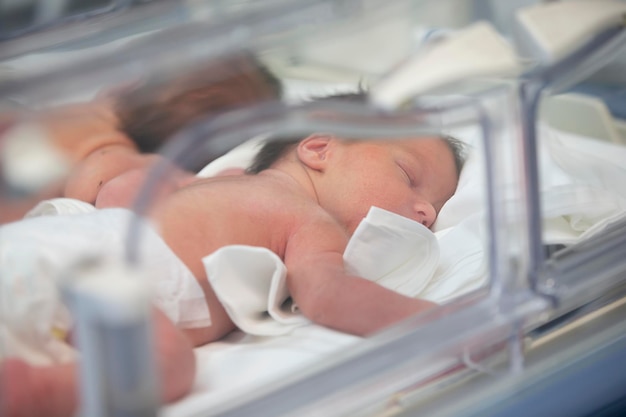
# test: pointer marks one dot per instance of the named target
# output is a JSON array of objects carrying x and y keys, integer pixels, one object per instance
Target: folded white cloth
[
  {"x": 582, "y": 194},
  {"x": 56, "y": 206},
  {"x": 583, "y": 189},
  {"x": 394, "y": 251},
  {"x": 581, "y": 185},
  {"x": 251, "y": 282},
  {"x": 462, "y": 263},
  {"x": 36, "y": 252},
  {"x": 239, "y": 157},
  {"x": 33, "y": 321}
]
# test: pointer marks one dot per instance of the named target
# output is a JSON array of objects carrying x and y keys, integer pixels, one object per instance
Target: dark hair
[
  {"x": 165, "y": 103},
  {"x": 275, "y": 148},
  {"x": 272, "y": 150},
  {"x": 459, "y": 152}
]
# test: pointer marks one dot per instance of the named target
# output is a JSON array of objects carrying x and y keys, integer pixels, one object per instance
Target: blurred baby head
[{"x": 152, "y": 112}]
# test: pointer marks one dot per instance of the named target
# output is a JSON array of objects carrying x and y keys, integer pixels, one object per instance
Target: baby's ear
[{"x": 313, "y": 151}]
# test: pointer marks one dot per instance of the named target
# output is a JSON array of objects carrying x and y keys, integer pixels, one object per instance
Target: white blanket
[{"x": 38, "y": 254}]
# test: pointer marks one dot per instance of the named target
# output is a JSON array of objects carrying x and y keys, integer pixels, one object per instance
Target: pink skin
[
  {"x": 31, "y": 391},
  {"x": 230, "y": 171},
  {"x": 51, "y": 391},
  {"x": 123, "y": 190},
  {"x": 4, "y": 126},
  {"x": 106, "y": 164},
  {"x": 408, "y": 179}
]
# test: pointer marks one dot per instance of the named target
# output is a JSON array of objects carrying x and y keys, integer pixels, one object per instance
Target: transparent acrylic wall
[{"x": 341, "y": 44}]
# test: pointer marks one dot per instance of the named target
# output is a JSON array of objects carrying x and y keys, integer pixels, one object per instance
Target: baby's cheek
[
  {"x": 389, "y": 198},
  {"x": 404, "y": 209}
]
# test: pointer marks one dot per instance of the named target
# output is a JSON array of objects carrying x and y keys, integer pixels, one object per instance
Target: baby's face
[{"x": 410, "y": 177}]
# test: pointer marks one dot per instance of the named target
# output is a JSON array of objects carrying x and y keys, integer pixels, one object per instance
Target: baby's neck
[{"x": 295, "y": 176}]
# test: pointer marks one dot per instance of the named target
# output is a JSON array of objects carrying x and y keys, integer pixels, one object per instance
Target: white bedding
[{"x": 582, "y": 191}]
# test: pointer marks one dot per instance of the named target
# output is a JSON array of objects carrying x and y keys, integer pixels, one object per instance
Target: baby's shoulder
[{"x": 245, "y": 193}]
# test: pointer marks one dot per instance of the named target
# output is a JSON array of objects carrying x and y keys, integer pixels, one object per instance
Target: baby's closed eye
[{"x": 406, "y": 172}]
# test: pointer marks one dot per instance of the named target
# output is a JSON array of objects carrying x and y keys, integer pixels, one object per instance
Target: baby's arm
[
  {"x": 79, "y": 129},
  {"x": 76, "y": 131},
  {"x": 122, "y": 190},
  {"x": 98, "y": 168},
  {"x": 329, "y": 296}
]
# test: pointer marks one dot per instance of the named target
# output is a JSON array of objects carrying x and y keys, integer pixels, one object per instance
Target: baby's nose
[{"x": 425, "y": 213}]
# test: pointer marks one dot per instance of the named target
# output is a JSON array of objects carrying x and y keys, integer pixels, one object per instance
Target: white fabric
[
  {"x": 462, "y": 262},
  {"x": 582, "y": 194},
  {"x": 411, "y": 252},
  {"x": 36, "y": 252},
  {"x": 240, "y": 157},
  {"x": 30, "y": 308},
  {"x": 229, "y": 368},
  {"x": 56, "y": 206},
  {"x": 251, "y": 282},
  {"x": 584, "y": 189},
  {"x": 581, "y": 185}
]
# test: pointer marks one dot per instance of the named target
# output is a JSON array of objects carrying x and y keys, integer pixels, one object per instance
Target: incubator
[{"x": 526, "y": 260}]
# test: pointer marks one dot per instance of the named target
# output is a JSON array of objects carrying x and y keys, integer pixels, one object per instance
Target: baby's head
[
  {"x": 412, "y": 177},
  {"x": 165, "y": 103}
]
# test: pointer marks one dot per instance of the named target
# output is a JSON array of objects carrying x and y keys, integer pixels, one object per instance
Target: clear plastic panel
[
  {"x": 580, "y": 203},
  {"x": 20, "y": 18}
]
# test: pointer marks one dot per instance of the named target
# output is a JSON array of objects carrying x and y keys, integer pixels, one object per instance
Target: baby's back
[{"x": 243, "y": 210}]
